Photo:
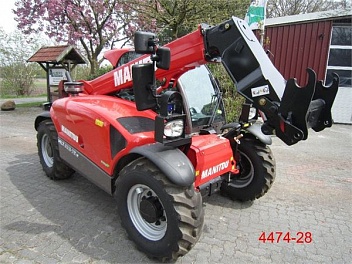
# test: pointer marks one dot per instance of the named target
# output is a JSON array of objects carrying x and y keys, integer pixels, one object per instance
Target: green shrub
[
  {"x": 102, "y": 70},
  {"x": 17, "y": 80},
  {"x": 232, "y": 100}
]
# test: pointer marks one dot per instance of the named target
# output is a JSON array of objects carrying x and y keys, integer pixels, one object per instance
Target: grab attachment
[
  {"x": 301, "y": 108},
  {"x": 328, "y": 94}
]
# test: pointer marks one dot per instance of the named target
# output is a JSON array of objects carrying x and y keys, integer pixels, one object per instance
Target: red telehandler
[{"x": 152, "y": 131}]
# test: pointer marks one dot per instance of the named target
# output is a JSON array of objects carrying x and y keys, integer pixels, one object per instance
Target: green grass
[
  {"x": 21, "y": 96},
  {"x": 32, "y": 104}
]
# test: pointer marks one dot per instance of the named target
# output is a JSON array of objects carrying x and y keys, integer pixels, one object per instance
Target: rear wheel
[
  {"x": 257, "y": 172},
  {"x": 48, "y": 151},
  {"x": 163, "y": 219}
]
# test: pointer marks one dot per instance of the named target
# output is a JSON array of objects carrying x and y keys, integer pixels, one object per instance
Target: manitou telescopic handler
[{"x": 152, "y": 131}]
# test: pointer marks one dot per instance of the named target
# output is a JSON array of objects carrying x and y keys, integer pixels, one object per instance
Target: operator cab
[
  {"x": 202, "y": 98},
  {"x": 201, "y": 95}
]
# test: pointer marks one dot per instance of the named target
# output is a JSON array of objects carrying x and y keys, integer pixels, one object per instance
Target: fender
[
  {"x": 256, "y": 130},
  {"x": 171, "y": 161},
  {"x": 41, "y": 117}
]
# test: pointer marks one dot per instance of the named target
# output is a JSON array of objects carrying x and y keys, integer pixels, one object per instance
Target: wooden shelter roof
[{"x": 58, "y": 54}]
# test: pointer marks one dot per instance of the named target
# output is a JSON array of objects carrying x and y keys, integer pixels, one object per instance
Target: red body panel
[
  {"x": 211, "y": 156},
  {"x": 114, "y": 55},
  {"x": 84, "y": 122}
]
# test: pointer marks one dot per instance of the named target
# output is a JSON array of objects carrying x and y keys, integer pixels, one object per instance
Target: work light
[{"x": 174, "y": 128}]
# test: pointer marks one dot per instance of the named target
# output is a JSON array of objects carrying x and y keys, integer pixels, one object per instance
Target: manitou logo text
[
  {"x": 124, "y": 74},
  {"x": 69, "y": 133},
  {"x": 214, "y": 169}
]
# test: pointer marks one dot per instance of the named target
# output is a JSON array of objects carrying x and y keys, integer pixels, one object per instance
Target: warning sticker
[{"x": 261, "y": 90}]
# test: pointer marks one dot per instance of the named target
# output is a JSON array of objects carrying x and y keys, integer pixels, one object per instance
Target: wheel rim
[
  {"x": 151, "y": 229},
  {"x": 47, "y": 151},
  {"x": 246, "y": 172}
]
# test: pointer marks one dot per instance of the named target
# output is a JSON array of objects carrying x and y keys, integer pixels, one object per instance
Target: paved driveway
[{"x": 72, "y": 221}]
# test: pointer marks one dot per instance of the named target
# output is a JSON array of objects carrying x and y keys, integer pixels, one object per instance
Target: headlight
[
  {"x": 174, "y": 128},
  {"x": 252, "y": 113}
]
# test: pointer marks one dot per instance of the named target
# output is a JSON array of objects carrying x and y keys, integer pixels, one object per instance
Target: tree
[
  {"x": 172, "y": 19},
  {"x": 93, "y": 24},
  {"x": 175, "y": 18},
  {"x": 102, "y": 23},
  {"x": 279, "y": 8},
  {"x": 16, "y": 75}
]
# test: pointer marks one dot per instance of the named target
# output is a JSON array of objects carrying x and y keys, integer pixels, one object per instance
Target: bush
[
  {"x": 232, "y": 100},
  {"x": 102, "y": 70},
  {"x": 82, "y": 72},
  {"x": 17, "y": 80},
  {"x": 17, "y": 75}
]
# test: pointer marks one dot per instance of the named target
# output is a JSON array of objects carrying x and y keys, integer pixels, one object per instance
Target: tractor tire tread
[
  {"x": 266, "y": 163},
  {"x": 187, "y": 203},
  {"x": 61, "y": 171}
]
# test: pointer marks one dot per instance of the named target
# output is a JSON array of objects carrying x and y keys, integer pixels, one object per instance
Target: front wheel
[
  {"x": 48, "y": 151},
  {"x": 257, "y": 172},
  {"x": 163, "y": 219}
]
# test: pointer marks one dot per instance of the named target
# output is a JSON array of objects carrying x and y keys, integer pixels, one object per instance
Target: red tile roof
[{"x": 58, "y": 54}]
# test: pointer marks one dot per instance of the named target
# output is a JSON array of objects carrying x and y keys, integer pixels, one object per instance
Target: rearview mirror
[
  {"x": 163, "y": 58},
  {"x": 144, "y": 42},
  {"x": 143, "y": 76}
]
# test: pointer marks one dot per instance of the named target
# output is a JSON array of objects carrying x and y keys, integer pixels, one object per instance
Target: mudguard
[
  {"x": 171, "y": 161},
  {"x": 256, "y": 130},
  {"x": 41, "y": 117}
]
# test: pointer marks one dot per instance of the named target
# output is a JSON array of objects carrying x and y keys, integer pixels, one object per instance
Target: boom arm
[
  {"x": 186, "y": 53},
  {"x": 290, "y": 109}
]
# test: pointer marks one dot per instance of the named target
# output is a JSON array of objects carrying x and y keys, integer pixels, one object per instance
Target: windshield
[{"x": 202, "y": 97}]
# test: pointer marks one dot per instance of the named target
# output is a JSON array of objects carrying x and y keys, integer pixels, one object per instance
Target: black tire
[
  {"x": 48, "y": 151},
  {"x": 175, "y": 222},
  {"x": 257, "y": 172}
]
